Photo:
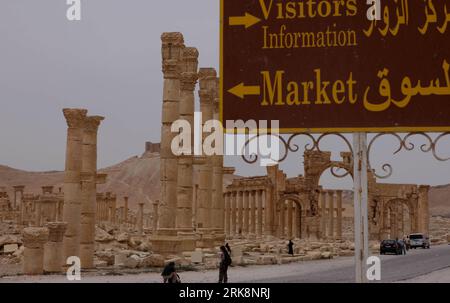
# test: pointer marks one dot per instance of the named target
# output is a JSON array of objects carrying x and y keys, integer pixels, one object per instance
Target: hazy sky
[{"x": 110, "y": 63}]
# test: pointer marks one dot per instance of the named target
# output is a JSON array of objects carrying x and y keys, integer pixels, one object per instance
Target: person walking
[
  {"x": 227, "y": 246},
  {"x": 291, "y": 248},
  {"x": 169, "y": 274},
  {"x": 225, "y": 261}
]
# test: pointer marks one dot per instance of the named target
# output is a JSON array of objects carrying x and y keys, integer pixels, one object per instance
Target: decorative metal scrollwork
[{"x": 404, "y": 143}]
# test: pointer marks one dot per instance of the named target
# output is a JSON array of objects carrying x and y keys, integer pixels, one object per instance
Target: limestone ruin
[{"x": 196, "y": 211}]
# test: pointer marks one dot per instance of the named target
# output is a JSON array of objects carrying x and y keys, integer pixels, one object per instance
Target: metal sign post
[{"x": 360, "y": 206}]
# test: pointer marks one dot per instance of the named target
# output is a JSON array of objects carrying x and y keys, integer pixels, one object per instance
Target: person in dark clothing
[
  {"x": 227, "y": 246},
  {"x": 169, "y": 274},
  {"x": 225, "y": 261},
  {"x": 291, "y": 248}
]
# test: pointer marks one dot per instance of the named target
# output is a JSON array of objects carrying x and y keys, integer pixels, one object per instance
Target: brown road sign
[{"x": 324, "y": 65}]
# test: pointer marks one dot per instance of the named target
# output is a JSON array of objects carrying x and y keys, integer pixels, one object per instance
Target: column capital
[
  {"x": 188, "y": 80},
  {"x": 35, "y": 236},
  {"x": 172, "y": 46},
  {"x": 19, "y": 188},
  {"x": 190, "y": 60},
  {"x": 56, "y": 231},
  {"x": 208, "y": 80},
  {"x": 92, "y": 123},
  {"x": 75, "y": 117}
]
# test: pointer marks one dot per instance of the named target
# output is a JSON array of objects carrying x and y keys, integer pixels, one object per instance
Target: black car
[{"x": 391, "y": 246}]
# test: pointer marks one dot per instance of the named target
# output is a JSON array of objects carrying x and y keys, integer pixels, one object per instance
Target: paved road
[{"x": 417, "y": 262}]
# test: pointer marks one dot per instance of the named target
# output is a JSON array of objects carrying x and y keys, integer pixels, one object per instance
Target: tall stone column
[
  {"x": 204, "y": 194},
  {"x": 290, "y": 212},
  {"x": 172, "y": 48},
  {"x": 89, "y": 191},
  {"x": 268, "y": 210},
  {"x": 233, "y": 211},
  {"x": 18, "y": 198},
  {"x": 218, "y": 172},
  {"x": 227, "y": 213},
  {"x": 114, "y": 209},
  {"x": 240, "y": 211},
  {"x": 252, "y": 212},
  {"x": 125, "y": 211},
  {"x": 207, "y": 80},
  {"x": 34, "y": 239},
  {"x": 259, "y": 198},
  {"x": 393, "y": 224},
  {"x": 246, "y": 210},
  {"x": 297, "y": 221},
  {"x": 339, "y": 215},
  {"x": 53, "y": 249},
  {"x": 424, "y": 210},
  {"x": 141, "y": 219},
  {"x": 282, "y": 220},
  {"x": 155, "y": 216},
  {"x": 189, "y": 76},
  {"x": 323, "y": 214},
  {"x": 72, "y": 181},
  {"x": 330, "y": 197}
]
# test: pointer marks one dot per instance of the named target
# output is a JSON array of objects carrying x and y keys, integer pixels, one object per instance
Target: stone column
[
  {"x": 259, "y": 229},
  {"x": 240, "y": 211},
  {"x": 155, "y": 216},
  {"x": 330, "y": 214},
  {"x": 72, "y": 181},
  {"x": 393, "y": 221},
  {"x": 297, "y": 221},
  {"x": 53, "y": 249},
  {"x": 423, "y": 210},
  {"x": 227, "y": 214},
  {"x": 189, "y": 76},
  {"x": 268, "y": 210},
  {"x": 141, "y": 219},
  {"x": 204, "y": 194},
  {"x": 172, "y": 47},
  {"x": 252, "y": 212},
  {"x": 323, "y": 214},
  {"x": 282, "y": 220},
  {"x": 34, "y": 239},
  {"x": 290, "y": 212},
  {"x": 89, "y": 191},
  {"x": 18, "y": 201},
  {"x": 246, "y": 210},
  {"x": 233, "y": 213},
  {"x": 207, "y": 80},
  {"x": 218, "y": 170},
  {"x": 125, "y": 211},
  {"x": 339, "y": 215},
  {"x": 114, "y": 209}
]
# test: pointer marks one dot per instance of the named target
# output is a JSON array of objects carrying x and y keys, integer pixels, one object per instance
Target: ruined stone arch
[
  {"x": 391, "y": 224},
  {"x": 293, "y": 225}
]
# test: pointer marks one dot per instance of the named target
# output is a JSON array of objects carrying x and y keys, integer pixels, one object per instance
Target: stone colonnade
[
  {"x": 179, "y": 194},
  {"x": 330, "y": 203},
  {"x": 244, "y": 211}
]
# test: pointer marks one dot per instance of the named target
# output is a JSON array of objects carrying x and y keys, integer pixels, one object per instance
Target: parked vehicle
[
  {"x": 391, "y": 246},
  {"x": 419, "y": 240}
]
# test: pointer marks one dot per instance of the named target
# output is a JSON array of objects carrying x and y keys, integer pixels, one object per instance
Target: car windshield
[
  {"x": 389, "y": 241},
  {"x": 416, "y": 237}
]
